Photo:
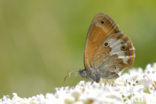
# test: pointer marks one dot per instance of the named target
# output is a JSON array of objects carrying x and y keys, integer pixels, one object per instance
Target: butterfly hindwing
[
  {"x": 121, "y": 46},
  {"x": 115, "y": 54}
]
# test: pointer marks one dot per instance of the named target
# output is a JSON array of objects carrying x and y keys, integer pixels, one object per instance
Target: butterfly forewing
[{"x": 102, "y": 26}]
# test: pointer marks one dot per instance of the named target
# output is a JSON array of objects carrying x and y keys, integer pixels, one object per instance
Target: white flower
[{"x": 134, "y": 87}]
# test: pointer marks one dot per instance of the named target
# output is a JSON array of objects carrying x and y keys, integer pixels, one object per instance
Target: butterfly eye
[
  {"x": 102, "y": 22},
  {"x": 106, "y": 44}
]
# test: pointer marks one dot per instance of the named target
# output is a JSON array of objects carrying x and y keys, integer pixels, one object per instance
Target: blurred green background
[{"x": 42, "y": 40}]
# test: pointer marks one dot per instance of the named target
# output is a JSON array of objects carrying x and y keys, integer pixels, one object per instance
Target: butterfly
[{"x": 107, "y": 50}]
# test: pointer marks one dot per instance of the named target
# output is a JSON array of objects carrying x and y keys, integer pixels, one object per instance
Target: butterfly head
[{"x": 83, "y": 73}]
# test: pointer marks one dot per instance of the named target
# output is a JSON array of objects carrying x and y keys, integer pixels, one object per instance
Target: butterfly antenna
[{"x": 69, "y": 74}]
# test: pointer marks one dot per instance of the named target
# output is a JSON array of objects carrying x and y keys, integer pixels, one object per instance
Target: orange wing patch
[{"x": 101, "y": 28}]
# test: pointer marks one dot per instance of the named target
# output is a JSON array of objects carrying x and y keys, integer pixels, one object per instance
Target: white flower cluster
[{"x": 135, "y": 87}]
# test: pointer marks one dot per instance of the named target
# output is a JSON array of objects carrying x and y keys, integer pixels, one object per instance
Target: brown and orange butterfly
[{"x": 107, "y": 50}]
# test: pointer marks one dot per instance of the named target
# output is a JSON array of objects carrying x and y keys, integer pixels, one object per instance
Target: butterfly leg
[
  {"x": 94, "y": 77},
  {"x": 91, "y": 80}
]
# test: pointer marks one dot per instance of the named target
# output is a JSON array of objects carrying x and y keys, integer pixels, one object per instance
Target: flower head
[{"x": 135, "y": 86}]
